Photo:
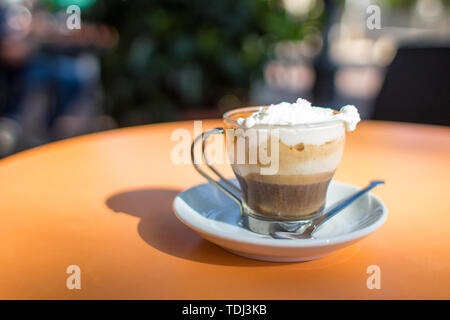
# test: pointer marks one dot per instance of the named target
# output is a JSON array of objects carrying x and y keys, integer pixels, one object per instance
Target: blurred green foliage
[
  {"x": 58, "y": 4},
  {"x": 175, "y": 54}
]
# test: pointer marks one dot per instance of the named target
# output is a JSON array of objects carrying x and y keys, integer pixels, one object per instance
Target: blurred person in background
[{"x": 49, "y": 76}]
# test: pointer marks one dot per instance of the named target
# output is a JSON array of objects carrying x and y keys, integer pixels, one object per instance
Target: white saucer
[{"x": 211, "y": 214}]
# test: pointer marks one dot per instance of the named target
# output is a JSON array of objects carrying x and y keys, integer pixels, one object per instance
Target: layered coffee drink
[{"x": 284, "y": 156}]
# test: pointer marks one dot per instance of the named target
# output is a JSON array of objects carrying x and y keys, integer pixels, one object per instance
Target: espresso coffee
[
  {"x": 298, "y": 190},
  {"x": 307, "y": 155},
  {"x": 292, "y": 202}
]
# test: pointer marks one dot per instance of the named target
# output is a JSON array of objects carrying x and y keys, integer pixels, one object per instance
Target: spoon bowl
[{"x": 306, "y": 231}]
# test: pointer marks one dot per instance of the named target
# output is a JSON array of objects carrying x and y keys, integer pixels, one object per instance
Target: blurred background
[{"x": 139, "y": 61}]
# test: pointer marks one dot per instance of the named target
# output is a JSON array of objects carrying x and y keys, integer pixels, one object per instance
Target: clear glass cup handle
[{"x": 235, "y": 193}]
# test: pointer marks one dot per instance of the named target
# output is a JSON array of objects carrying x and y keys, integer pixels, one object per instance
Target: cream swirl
[{"x": 300, "y": 112}]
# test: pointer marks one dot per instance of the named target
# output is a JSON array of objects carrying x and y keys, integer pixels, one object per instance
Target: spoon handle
[{"x": 336, "y": 208}]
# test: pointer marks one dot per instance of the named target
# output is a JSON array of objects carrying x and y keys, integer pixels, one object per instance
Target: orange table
[{"x": 104, "y": 202}]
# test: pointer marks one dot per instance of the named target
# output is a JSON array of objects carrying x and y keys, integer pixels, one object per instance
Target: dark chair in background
[{"x": 416, "y": 87}]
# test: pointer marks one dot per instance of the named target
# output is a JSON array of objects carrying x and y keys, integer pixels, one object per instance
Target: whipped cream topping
[{"x": 300, "y": 112}]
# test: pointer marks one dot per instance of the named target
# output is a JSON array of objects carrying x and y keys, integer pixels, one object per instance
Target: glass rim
[{"x": 227, "y": 117}]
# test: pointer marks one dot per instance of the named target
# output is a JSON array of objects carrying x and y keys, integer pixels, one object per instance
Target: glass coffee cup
[{"x": 283, "y": 170}]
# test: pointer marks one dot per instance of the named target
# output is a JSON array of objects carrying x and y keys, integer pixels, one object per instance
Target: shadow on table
[{"x": 160, "y": 228}]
